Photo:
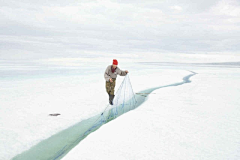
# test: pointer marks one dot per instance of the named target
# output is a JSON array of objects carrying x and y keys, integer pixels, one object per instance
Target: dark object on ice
[
  {"x": 144, "y": 94},
  {"x": 54, "y": 114}
]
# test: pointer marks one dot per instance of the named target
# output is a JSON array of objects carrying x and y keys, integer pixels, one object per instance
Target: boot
[{"x": 111, "y": 97}]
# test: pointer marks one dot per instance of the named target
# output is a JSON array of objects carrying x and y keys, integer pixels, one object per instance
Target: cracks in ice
[{"x": 58, "y": 145}]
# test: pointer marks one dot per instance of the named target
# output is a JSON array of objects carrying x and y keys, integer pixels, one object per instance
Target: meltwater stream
[{"x": 58, "y": 145}]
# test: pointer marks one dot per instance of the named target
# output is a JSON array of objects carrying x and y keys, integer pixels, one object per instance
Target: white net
[{"x": 123, "y": 101}]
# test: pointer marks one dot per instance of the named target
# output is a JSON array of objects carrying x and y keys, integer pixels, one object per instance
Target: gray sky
[{"x": 32, "y": 29}]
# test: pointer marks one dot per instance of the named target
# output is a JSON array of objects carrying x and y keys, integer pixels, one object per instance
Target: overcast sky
[{"x": 33, "y": 29}]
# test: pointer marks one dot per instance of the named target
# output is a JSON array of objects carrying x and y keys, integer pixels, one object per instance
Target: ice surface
[
  {"x": 197, "y": 120},
  {"x": 28, "y": 99},
  {"x": 61, "y": 143}
]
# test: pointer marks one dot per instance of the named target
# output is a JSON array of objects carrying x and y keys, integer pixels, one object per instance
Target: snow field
[
  {"x": 198, "y": 120},
  {"x": 27, "y": 103}
]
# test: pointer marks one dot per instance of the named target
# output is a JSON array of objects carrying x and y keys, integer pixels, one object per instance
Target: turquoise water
[{"x": 58, "y": 145}]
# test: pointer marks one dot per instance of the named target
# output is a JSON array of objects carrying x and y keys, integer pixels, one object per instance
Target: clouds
[
  {"x": 69, "y": 28},
  {"x": 228, "y": 8}
]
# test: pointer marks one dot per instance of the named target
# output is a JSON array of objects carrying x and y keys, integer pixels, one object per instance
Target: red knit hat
[{"x": 115, "y": 62}]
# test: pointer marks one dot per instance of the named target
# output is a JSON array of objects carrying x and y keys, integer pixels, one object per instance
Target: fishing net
[{"x": 123, "y": 101}]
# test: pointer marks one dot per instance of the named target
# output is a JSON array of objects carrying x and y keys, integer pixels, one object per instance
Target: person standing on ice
[{"x": 110, "y": 76}]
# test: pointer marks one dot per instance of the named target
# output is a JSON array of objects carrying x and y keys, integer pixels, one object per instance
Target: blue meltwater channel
[{"x": 58, "y": 145}]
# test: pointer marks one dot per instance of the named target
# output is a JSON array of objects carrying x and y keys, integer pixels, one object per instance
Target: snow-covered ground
[
  {"x": 27, "y": 101},
  {"x": 197, "y": 120}
]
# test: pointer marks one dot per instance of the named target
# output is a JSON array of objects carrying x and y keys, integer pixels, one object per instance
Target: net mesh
[{"x": 123, "y": 101}]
